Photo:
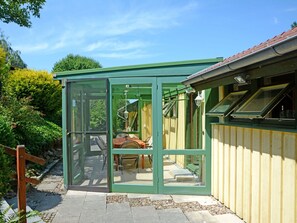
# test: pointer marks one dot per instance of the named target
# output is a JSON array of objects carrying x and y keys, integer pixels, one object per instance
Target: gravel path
[{"x": 216, "y": 209}]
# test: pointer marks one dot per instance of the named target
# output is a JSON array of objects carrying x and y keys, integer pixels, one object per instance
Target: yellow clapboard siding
[
  {"x": 261, "y": 169},
  {"x": 256, "y": 176},
  {"x": 221, "y": 163},
  {"x": 247, "y": 174},
  {"x": 265, "y": 177},
  {"x": 276, "y": 177},
  {"x": 215, "y": 169},
  {"x": 289, "y": 189},
  {"x": 239, "y": 172},
  {"x": 226, "y": 166},
  {"x": 232, "y": 164}
]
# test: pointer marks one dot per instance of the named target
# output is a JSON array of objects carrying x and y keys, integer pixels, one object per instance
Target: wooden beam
[
  {"x": 32, "y": 181},
  {"x": 34, "y": 159},
  {"x": 20, "y": 157}
]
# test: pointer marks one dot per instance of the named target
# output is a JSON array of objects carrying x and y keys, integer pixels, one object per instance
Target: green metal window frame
[
  {"x": 223, "y": 108},
  {"x": 202, "y": 190},
  {"x": 241, "y": 112},
  {"x": 128, "y": 187}
]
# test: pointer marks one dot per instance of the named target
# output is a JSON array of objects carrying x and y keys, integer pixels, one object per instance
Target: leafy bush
[
  {"x": 44, "y": 92},
  {"x": 5, "y": 173},
  {"x": 40, "y": 137},
  {"x": 29, "y": 128},
  {"x": 7, "y": 136}
]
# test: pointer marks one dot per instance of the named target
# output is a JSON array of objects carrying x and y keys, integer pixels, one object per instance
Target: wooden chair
[{"x": 130, "y": 144}]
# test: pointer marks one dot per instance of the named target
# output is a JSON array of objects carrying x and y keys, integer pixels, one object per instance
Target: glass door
[
  {"x": 133, "y": 133},
  {"x": 87, "y": 135},
  {"x": 183, "y": 163}
]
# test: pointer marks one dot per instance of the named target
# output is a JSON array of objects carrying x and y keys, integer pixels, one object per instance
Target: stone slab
[
  {"x": 173, "y": 215},
  {"x": 228, "y": 218},
  {"x": 201, "y": 217}
]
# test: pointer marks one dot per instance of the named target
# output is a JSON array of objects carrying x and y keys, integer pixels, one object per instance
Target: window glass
[
  {"x": 260, "y": 103},
  {"x": 227, "y": 104}
]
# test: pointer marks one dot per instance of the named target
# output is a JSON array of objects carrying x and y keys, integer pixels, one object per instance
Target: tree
[
  {"x": 20, "y": 11},
  {"x": 75, "y": 62},
  {"x": 294, "y": 24},
  {"x": 13, "y": 57}
]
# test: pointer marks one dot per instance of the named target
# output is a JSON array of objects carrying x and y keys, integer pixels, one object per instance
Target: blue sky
[{"x": 129, "y": 32}]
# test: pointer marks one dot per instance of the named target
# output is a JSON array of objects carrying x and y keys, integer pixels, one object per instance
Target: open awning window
[
  {"x": 262, "y": 102},
  {"x": 227, "y": 105}
]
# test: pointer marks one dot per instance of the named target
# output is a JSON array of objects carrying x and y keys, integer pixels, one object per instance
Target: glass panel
[
  {"x": 184, "y": 170},
  {"x": 262, "y": 98},
  {"x": 132, "y": 129},
  {"x": 133, "y": 169},
  {"x": 177, "y": 118},
  {"x": 88, "y": 133},
  {"x": 132, "y": 111},
  {"x": 227, "y": 103}
]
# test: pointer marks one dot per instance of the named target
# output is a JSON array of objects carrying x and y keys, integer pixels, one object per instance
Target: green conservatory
[{"x": 135, "y": 129}]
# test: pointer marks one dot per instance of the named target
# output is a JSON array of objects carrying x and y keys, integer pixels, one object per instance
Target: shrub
[
  {"x": 5, "y": 173},
  {"x": 39, "y": 137},
  {"x": 39, "y": 86},
  {"x": 29, "y": 128},
  {"x": 7, "y": 136}
]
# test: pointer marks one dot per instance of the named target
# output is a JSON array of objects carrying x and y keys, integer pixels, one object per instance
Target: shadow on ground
[{"x": 39, "y": 200}]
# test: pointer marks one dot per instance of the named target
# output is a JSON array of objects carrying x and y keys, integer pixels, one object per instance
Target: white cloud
[
  {"x": 116, "y": 45},
  {"x": 275, "y": 20},
  {"x": 137, "y": 54},
  {"x": 32, "y": 48},
  {"x": 291, "y": 9},
  {"x": 97, "y": 33},
  {"x": 146, "y": 20}
]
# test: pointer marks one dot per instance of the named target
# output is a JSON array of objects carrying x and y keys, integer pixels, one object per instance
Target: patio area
[{"x": 98, "y": 207}]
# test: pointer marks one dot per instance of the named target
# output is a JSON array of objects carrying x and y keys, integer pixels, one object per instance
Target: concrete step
[{"x": 11, "y": 213}]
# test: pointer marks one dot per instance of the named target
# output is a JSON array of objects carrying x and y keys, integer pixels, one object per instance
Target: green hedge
[
  {"x": 28, "y": 127},
  {"x": 7, "y": 136},
  {"x": 39, "y": 137},
  {"x": 5, "y": 173},
  {"x": 45, "y": 93}
]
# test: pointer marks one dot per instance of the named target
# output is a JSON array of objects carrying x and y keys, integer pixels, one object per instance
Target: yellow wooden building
[{"x": 250, "y": 124}]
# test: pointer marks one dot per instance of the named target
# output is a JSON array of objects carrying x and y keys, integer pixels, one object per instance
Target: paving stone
[
  {"x": 47, "y": 187},
  {"x": 158, "y": 197},
  {"x": 201, "y": 217},
  {"x": 59, "y": 218},
  {"x": 91, "y": 217},
  {"x": 203, "y": 200},
  {"x": 174, "y": 215},
  {"x": 116, "y": 217},
  {"x": 131, "y": 196},
  {"x": 145, "y": 214},
  {"x": 228, "y": 218},
  {"x": 118, "y": 208},
  {"x": 94, "y": 196}
]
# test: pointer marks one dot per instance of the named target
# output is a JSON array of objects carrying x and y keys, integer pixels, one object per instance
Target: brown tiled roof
[{"x": 268, "y": 43}]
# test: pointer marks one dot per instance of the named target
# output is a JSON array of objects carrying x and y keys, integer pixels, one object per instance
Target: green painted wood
[
  {"x": 64, "y": 134},
  {"x": 211, "y": 99},
  {"x": 133, "y": 188},
  {"x": 159, "y": 69}
]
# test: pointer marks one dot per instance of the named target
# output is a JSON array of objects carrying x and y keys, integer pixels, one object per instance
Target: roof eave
[{"x": 279, "y": 49}]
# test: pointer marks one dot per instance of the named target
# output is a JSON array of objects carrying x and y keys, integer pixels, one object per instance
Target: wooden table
[{"x": 117, "y": 143}]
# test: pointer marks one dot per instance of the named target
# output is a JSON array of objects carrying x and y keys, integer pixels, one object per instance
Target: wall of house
[
  {"x": 254, "y": 172},
  {"x": 174, "y": 131},
  {"x": 146, "y": 121}
]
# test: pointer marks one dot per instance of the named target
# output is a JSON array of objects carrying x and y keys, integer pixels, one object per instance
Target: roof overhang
[{"x": 226, "y": 70}]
